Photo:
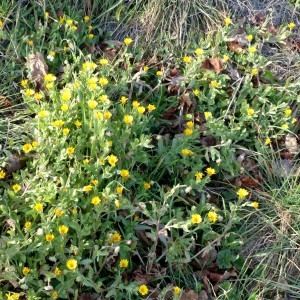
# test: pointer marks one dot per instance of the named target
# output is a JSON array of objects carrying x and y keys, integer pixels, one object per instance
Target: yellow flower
[
  {"x": 64, "y": 107},
  {"x": 49, "y": 85},
  {"x": 190, "y": 124},
  {"x": 27, "y": 148},
  {"x": 177, "y": 290},
  {"x": 143, "y": 290},
  {"x": 63, "y": 229},
  {"x": 124, "y": 174},
  {"x": 92, "y": 104},
  {"x": 103, "y": 81},
  {"x": 58, "y": 212},
  {"x": 66, "y": 131},
  {"x": 27, "y": 225},
  {"x": 242, "y": 193},
  {"x": 98, "y": 115},
  {"x": 187, "y": 59},
  {"x": 89, "y": 66},
  {"x": 72, "y": 264},
  {"x": 34, "y": 144},
  {"x": 58, "y": 123},
  {"x": 2, "y": 174},
  {"x": 147, "y": 185},
  {"x": 16, "y": 187},
  {"x": 1, "y": 23},
  {"x": 117, "y": 203},
  {"x": 214, "y": 84},
  {"x": 30, "y": 42},
  {"x": 24, "y": 83},
  {"x": 159, "y": 73},
  {"x": 119, "y": 190},
  {"x": 288, "y": 112},
  {"x": 188, "y": 131},
  {"x": 225, "y": 58},
  {"x": 254, "y": 72},
  {"x": 212, "y": 216},
  {"x": 123, "y": 100},
  {"x": 12, "y": 296},
  {"x": 123, "y": 263},
  {"x": 94, "y": 181},
  {"x": 268, "y": 141},
  {"x": 285, "y": 126},
  {"x": 207, "y": 115},
  {"x": 25, "y": 271},
  {"x": 199, "y": 176},
  {"x": 49, "y": 77},
  {"x": 66, "y": 94},
  {"x": 104, "y": 98},
  {"x": 95, "y": 200},
  {"x": 249, "y": 37},
  {"x": 112, "y": 159},
  {"x": 49, "y": 238},
  {"x": 87, "y": 188},
  {"x": 70, "y": 150},
  {"x": 128, "y": 119},
  {"x": 69, "y": 22},
  {"x": 38, "y": 207},
  {"x": 291, "y": 25},
  {"x": 255, "y": 204},
  {"x": 54, "y": 295},
  {"x": 210, "y": 171},
  {"x": 151, "y": 107},
  {"x": 90, "y": 36},
  {"x": 199, "y": 51},
  {"x": 77, "y": 123},
  {"x": 227, "y": 21},
  {"x": 107, "y": 115},
  {"x": 29, "y": 92},
  {"x": 86, "y": 18},
  {"x": 38, "y": 96},
  {"x": 141, "y": 109},
  {"x": 252, "y": 49},
  {"x": 57, "y": 271},
  {"x": 127, "y": 41},
  {"x": 103, "y": 62},
  {"x": 294, "y": 120},
  {"x": 115, "y": 238},
  {"x": 135, "y": 104},
  {"x": 250, "y": 111},
  {"x": 74, "y": 28},
  {"x": 145, "y": 68},
  {"x": 196, "y": 219},
  {"x": 186, "y": 152},
  {"x": 196, "y": 92}
]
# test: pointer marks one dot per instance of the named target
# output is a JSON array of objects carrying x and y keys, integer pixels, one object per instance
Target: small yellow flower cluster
[
  {"x": 187, "y": 152},
  {"x": 89, "y": 66}
]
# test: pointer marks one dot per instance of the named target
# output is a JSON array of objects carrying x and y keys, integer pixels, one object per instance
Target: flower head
[
  {"x": 291, "y": 25},
  {"x": 95, "y": 200},
  {"x": 249, "y": 37},
  {"x": 207, "y": 115},
  {"x": 188, "y": 131},
  {"x": 210, "y": 171},
  {"x": 288, "y": 112},
  {"x": 123, "y": 263},
  {"x": 63, "y": 229},
  {"x": 199, "y": 51},
  {"x": 268, "y": 141},
  {"x": 92, "y": 104},
  {"x": 103, "y": 62},
  {"x": 255, "y": 204},
  {"x": 124, "y": 174},
  {"x": 176, "y": 290},
  {"x": 27, "y": 148},
  {"x": 72, "y": 264},
  {"x": 146, "y": 185},
  {"x": 66, "y": 94},
  {"x": 212, "y": 216},
  {"x": 119, "y": 190},
  {"x": 16, "y": 187},
  {"x": 127, "y": 41},
  {"x": 2, "y": 174},
  {"x": 38, "y": 207},
  {"x": 103, "y": 81},
  {"x": 25, "y": 271},
  {"x": 115, "y": 237},
  {"x": 252, "y": 49},
  {"x": 143, "y": 290},
  {"x": 49, "y": 237},
  {"x": 250, "y": 111},
  {"x": 187, "y": 59},
  {"x": 112, "y": 160},
  {"x": 242, "y": 193},
  {"x": 87, "y": 188},
  {"x": 227, "y": 21},
  {"x": 214, "y": 84},
  {"x": 70, "y": 150},
  {"x": 199, "y": 176},
  {"x": 128, "y": 119},
  {"x": 196, "y": 219},
  {"x": 151, "y": 107}
]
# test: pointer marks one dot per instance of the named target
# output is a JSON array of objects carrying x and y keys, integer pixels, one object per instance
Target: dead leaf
[
  {"x": 291, "y": 143},
  {"x": 37, "y": 70},
  {"x": 16, "y": 162},
  {"x": 235, "y": 47},
  {"x": 4, "y": 102},
  {"x": 189, "y": 295},
  {"x": 214, "y": 64},
  {"x": 186, "y": 100},
  {"x": 249, "y": 182}
]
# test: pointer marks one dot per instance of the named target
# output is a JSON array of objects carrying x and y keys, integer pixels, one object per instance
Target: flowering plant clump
[{"x": 113, "y": 174}]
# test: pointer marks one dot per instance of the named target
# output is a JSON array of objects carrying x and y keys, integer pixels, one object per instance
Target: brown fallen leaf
[
  {"x": 37, "y": 70},
  {"x": 16, "y": 162},
  {"x": 189, "y": 295},
  {"x": 214, "y": 64},
  {"x": 235, "y": 47}
]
